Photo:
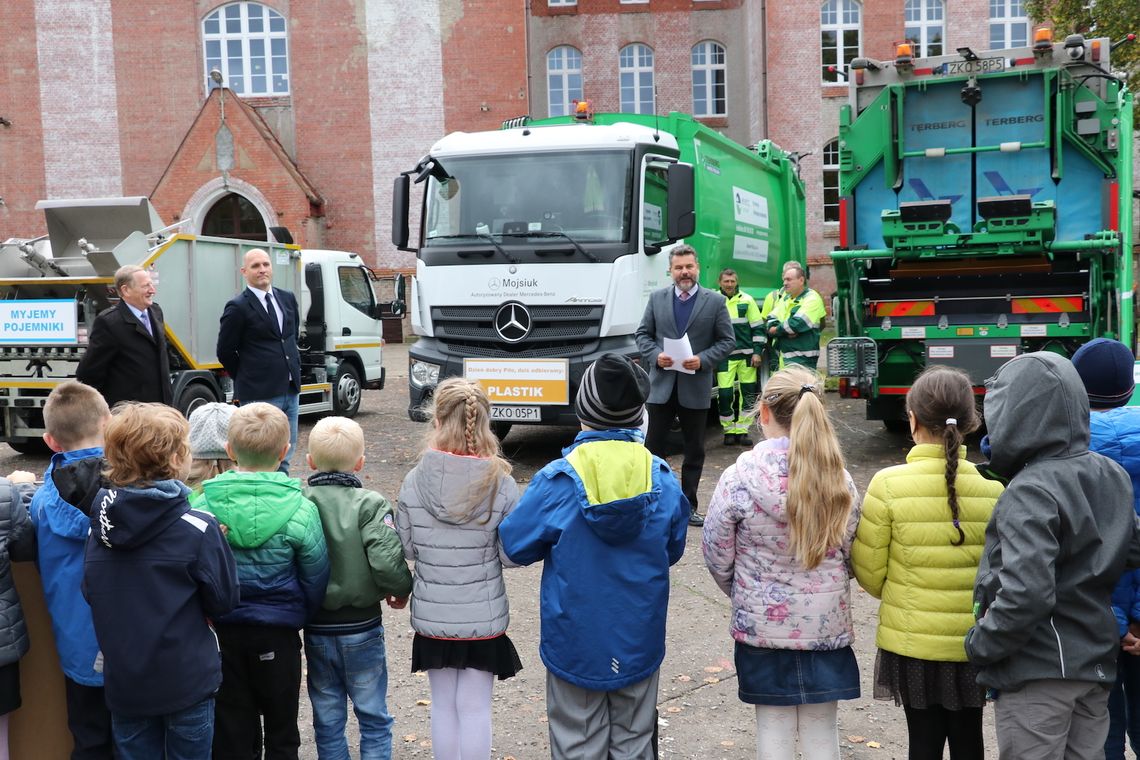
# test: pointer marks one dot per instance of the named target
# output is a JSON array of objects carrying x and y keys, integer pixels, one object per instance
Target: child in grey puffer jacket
[
  {"x": 17, "y": 543},
  {"x": 448, "y": 517}
]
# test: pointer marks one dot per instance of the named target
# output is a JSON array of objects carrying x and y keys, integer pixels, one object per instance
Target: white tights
[
  {"x": 461, "y": 713},
  {"x": 817, "y": 726}
]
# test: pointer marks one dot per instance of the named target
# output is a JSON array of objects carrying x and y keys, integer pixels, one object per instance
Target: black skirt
[
  {"x": 496, "y": 655},
  {"x": 924, "y": 683}
]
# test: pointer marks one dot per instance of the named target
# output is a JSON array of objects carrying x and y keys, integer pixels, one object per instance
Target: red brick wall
[
  {"x": 21, "y": 145},
  {"x": 329, "y": 80},
  {"x": 484, "y": 65},
  {"x": 543, "y": 8},
  {"x": 159, "y": 84}
]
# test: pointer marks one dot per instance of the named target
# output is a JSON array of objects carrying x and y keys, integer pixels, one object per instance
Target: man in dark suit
[
  {"x": 257, "y": 343},
  {"x": 126, "y": 356},
  {"x": 684, "y": 308}
]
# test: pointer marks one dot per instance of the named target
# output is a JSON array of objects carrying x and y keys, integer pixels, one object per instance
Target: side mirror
[
  {"x": 682, "y": 221},
  {"x": 400, "y": 190},
  {"x": 401, "y": 303}
]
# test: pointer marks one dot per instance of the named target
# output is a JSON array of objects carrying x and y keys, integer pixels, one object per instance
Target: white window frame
[
  {"x": 839, "y": 17},
  {"x": 1004, "y": 16},
  {"x": 635, "y": 60},
  {"x": 564, "y": 73},
  {"x": 560, "y": 3},
  {"x": 924, "y": 19},
  {"x": 240, "y": 45},
  {"x": 830, "y": 166},
  {"x": 633, "y": 2},
  {"x": 706, "y": 72}
]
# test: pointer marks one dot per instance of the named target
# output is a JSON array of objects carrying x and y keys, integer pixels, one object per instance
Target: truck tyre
[
  {"x": 32, "y": 447},
  {"x": 500, "y": 429},
  {"x": 193, "y": 396},
  {"x": 897, "y": 427},
  {"x": 346, "y": 390}
]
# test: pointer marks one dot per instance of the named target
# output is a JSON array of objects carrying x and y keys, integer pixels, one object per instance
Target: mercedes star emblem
[{"x": 512, "y": 322}]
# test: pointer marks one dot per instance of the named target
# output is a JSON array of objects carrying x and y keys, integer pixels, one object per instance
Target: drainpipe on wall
[{"x": 764, "y": 70}]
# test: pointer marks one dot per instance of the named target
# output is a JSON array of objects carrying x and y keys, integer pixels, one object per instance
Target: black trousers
[
  {"x": 261, "y": 677},
  {"x": 930, "y": 729},
  {"x": 692, "y": 421},
  {"x": 89, "y": 721}
]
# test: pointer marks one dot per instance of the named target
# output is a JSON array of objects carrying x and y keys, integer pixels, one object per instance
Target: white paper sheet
[{"x": 678, "y": 349}]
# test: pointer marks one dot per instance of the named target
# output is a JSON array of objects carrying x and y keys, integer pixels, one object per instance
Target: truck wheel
[
  {"x": 346, "y": 390},
  {"x": 32, "y": 447},
  {"x": 192, "y": 397},
  {"x": 898, "y": 427},
  {"x": 500, "y": 429}
]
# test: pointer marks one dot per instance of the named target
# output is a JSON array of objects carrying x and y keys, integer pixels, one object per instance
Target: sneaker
[
  {"x": 744, "y": 440},
  {"x": 729, "y": 439},
  {"x": 695, "y": 519}
]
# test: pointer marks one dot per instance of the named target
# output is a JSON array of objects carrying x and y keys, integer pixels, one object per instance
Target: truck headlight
[{"x": 424, "y": 374}]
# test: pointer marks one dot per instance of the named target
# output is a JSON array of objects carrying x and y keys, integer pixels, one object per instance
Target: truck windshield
[{"x": 583, "y": 195}]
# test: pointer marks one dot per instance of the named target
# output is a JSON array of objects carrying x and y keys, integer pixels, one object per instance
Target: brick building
[{"x": 325, "y": 103}]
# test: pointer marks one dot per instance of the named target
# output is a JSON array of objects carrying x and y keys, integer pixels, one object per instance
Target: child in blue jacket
[
  {"x": 74, "y": 416},
  {"x": 1105, "y": 367},
  {"x": 608, "y": 520}
]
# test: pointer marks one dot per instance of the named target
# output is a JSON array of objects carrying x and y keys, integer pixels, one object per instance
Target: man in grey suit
[{"x": 683, "y": 308}]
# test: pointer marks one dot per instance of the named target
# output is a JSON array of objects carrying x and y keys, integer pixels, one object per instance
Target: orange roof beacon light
[
  {"x": 1042, "y": 39},
  {"x": 582, "y": 110},
  {"x": 904, "y": 56}
]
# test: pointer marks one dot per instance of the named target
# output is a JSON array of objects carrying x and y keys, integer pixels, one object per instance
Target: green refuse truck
[
  {"x": 985, "y": 211},
  {"x": 539, "y": 244}
]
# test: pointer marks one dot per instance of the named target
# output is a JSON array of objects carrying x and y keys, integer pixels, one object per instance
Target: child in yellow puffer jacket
[{"x": 917, "y": 549}]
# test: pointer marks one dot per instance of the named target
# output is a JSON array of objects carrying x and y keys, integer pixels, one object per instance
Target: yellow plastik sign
[{"x": 521, "y": 381}]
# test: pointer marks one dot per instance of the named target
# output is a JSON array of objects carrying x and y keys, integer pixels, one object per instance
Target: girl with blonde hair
[
  {"x": 777, "y": 541},
  {"x": 448, "y": 517}
]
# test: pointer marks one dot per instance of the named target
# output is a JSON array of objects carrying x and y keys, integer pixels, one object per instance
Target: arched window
[
  {"x": 563, "y": 79},
  {"x": 925, "y": 26},
  {"x": 1009, "y": 26},
  {"x": 831, "y": 181},
  {"x": 233, "y": 216},
  {"x": 708, "y": 64},
  {"x": 840, "y": 35},
  {"x": 247, "y": 43},
  {"x": 635, "y": 76}
]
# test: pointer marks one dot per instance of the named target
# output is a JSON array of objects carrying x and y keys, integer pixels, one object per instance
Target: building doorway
[{"x": 233, "y": 216}]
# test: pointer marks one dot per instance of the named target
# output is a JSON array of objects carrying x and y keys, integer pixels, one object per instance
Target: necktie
[
  {"x": 685, "y": 295},
  {"x": 272, "y": 312},
  {"x": 144, "y": 317}
]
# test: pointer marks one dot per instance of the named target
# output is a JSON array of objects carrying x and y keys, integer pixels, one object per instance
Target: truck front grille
[{"x": 555, "y": 330}]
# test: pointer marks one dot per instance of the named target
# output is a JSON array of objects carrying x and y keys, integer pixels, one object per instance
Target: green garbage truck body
[
  {"x": 985, "y": 211},
  {"x": 540, "y": 243}
]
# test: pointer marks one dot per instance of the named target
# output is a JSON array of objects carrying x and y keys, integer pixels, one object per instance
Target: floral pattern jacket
[{"x": 776, "y": 603}]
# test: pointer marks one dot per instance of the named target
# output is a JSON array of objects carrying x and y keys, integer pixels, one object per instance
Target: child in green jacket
[{"x": 367, "y": 564}]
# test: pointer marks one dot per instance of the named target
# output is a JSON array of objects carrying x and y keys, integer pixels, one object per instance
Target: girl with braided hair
[
  {"x": 917, "y": 549},
  {"x": 450, "y": 508},
  {"x": 777, "y": 541}
]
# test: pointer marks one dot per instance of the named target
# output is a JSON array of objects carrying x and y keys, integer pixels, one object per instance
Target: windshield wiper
[
  {"x": 478, "y": 236},
  {"x": 558, "y": 233}
]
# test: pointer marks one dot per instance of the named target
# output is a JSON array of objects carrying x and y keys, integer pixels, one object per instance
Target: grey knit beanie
[
  {"x": 612, "y": 393},
  {"x": 209, "y": 424}
]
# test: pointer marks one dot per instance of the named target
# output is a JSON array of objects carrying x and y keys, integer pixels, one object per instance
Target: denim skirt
[{"x": 781, "y": 677}]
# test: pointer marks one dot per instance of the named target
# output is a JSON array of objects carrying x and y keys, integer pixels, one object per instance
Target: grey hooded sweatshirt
[
  {"x": 1059, "y": 537},
  {"x": 457, "y": 586}
]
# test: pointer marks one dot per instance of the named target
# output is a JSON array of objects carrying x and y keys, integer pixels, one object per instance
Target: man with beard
[{"x": 682, "y": 389}]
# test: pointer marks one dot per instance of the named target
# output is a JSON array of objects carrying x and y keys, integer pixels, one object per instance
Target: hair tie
[
  {"x": 951, "y": 421},
  {"x": 806, "y": 389}
]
